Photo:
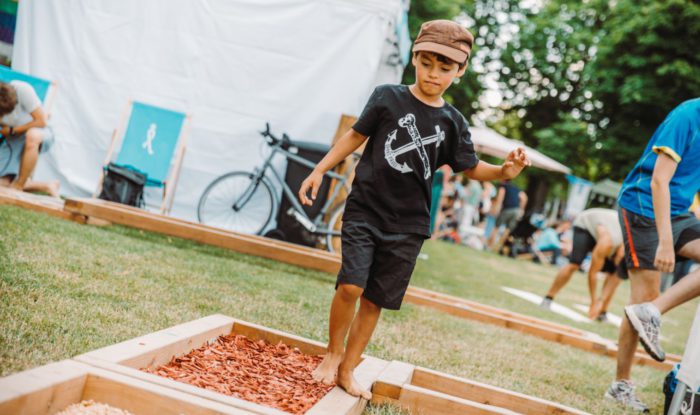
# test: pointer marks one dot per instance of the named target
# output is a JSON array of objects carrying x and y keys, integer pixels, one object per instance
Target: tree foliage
[{"x": 584, "y": 81}]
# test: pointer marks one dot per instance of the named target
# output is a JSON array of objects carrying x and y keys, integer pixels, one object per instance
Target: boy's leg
[
  {"x": 562, "y": 278},
  {"x": 687, "y": 288},
  {"x": 342, "y": 313},
  {"x": 644, "y": 284},
  {"x": 30, "y": 155},
  {"x": 610, "y": 285},
  {"x": 361, "y": 331},
  {"x": 50, "y": 188},
  {"x": 358, "y": 251}
]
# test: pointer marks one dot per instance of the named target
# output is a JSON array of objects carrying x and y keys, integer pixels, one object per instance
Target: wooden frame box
[
  {"x": 428, "y": 392},
  {"x": 51, "y": 388},
  {"x": 159, "y": 348}
]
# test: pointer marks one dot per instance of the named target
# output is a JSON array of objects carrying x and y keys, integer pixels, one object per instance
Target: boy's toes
[{"x": 366, "y": 394}]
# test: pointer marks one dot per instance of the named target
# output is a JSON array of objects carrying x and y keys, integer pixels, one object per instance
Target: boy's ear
[{"x": 462, "y": 71}]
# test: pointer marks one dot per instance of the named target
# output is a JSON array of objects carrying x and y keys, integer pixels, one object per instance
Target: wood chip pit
[{"x": 277, "y": 376}]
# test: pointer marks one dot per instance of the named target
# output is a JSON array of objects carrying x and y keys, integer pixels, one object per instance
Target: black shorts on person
[
  {"x": 380, "y": 262},
  {"x": 642, "y": 239},
  {"x": 583, "y": 244}
]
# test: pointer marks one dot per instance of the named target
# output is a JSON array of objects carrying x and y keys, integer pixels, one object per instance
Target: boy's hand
[
  {"x": 515, "y": 162},
  {"x": 665, "y": 257},
  {"x": 313, "y": 182}
]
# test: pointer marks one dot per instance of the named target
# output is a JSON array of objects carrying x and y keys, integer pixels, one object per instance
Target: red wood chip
[{"x": 273, "y": 375}]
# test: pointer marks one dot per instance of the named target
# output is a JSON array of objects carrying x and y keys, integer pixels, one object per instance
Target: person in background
[
  {"x": 510, "y": 202},
  {"x": 596, "y": 231},
  {"x": 24, "y": 130},
  {"x": 654, "y": 203}
]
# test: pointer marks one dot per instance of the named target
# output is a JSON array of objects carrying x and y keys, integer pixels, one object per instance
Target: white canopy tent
[
  {"x": 231, "y": 64},
  {"x": 489, "y": 142}
]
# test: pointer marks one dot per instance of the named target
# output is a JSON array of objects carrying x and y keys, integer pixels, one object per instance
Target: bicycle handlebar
[{"x": 272, "y": 140}]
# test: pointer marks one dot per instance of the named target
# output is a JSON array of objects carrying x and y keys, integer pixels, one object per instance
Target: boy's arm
[
  {"x": 515, "y": 162},
  {"x": 664, "y": 169},
  {"x": 38, "y": 121},
  {"x": 345, "y": 145}
]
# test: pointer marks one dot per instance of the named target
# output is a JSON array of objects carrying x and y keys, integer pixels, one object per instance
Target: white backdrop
[{"x": 231, "y": 64}]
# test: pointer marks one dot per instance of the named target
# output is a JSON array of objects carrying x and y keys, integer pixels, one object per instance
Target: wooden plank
[
  {"x": 339, "y": 402},
  {"x": 159, "y": 347},
  {"x": 38, "y": 203},
  {"x": 156, "y": 349},
  {"x": 427, "y": 402},
  {"x": 605, "y": 348},
  {"x": 247, "y": 244},
  {"x": 499, "y": 311},
  {"x": 392, "y": 379},
  {"x": 42, "y": 390},
  {"x": 487, "y": 394},
  {"x": 671, "y": 358},
  {"x": 51, "y": 388}
]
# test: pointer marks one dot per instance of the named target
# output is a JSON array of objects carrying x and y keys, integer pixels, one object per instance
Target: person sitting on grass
[
  {"x": 654, "y": 203},
  {"x": 387, "y": 214},
  {"x": 24, "y": 132},
  {"x": 596, "y": 231}
]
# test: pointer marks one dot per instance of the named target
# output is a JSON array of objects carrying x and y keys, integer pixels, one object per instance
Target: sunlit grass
[{"x": 66, "y": 289}]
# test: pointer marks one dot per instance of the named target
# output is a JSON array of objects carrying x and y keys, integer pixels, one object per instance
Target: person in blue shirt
[{"x": 657, "y": 226}]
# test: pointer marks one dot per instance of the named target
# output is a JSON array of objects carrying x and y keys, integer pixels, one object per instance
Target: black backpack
[{"x": 123, "y": 185}]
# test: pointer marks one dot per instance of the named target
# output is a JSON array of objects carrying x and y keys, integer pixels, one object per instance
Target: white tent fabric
[
  {"x": 690, "y": 365},
  {"x": 231, "y": 64},
  {"x": 490, "y": 142}
]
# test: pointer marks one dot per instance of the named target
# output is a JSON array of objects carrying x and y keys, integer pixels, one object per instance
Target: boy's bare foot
[
  {"x": 347, "y": 381},
  {"x": 16, "y": 186},
  {"x": 327, "y": 369}
]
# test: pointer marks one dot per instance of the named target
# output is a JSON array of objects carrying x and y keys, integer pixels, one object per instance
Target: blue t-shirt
[
  {"x": 678, "y": 137},
  {"x": 548, "y": 239}
]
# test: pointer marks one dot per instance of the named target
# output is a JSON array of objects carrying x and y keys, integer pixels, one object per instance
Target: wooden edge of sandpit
[{"x": 52, "y": 387}]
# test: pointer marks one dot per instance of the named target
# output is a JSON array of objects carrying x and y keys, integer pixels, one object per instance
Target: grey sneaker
[
  {"x": 622, "y": 392},
  {"x": 646, "y": 320},
  {"x": 546, "y": 303}
]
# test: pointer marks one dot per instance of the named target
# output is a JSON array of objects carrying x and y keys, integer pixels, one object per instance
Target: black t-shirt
[{"x": 408, "y": 141}]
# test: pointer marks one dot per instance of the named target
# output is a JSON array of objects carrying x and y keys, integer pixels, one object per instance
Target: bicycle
[{"x": 243, "y": 201}]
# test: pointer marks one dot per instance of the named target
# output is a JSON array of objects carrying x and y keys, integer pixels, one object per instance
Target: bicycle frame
[{"x": 312, "y": 225}]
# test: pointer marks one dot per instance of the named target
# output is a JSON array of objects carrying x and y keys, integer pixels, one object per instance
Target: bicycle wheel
[
  {"x": 239, "y": 201},
  {"x": 334, "y": 225}
]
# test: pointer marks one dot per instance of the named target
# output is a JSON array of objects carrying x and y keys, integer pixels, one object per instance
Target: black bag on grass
[
  {"x": 670, "y": 383},
  {"x": 123, "y": 185}
]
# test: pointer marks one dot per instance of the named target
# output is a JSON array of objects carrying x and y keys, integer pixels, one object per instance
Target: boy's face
[{"x": 432, "y": 76}]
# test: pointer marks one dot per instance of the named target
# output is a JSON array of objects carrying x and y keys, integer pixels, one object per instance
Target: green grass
[{"x": 66, "y": 289}]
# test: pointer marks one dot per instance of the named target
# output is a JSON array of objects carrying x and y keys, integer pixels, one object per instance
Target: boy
[
  {"x": 412, "y": 131},
  {"x": 596, "y": 231},
  {"x": 657, "y": 226},
  {"x": 23, "y": 128}
]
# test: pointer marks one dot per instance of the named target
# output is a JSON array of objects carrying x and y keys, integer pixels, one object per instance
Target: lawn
[{"x": 66, "y": 289}]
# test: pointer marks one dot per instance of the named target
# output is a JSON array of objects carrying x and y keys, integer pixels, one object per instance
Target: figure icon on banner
[{"x": 150, "y": 136}]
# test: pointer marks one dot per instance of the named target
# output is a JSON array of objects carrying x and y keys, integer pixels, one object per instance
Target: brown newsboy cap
[{"x": 446, "y": 38}]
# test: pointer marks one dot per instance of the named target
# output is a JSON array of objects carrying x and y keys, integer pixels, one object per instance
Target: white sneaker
[
  {"x": 622, "y": 392},
  {"x": 646, "y": 320}
]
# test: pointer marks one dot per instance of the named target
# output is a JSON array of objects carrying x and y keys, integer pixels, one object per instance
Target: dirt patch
[{"x": 272, "y": 375}]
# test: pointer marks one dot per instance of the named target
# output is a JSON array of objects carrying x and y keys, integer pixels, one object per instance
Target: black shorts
[
  {"x": 379, "y": 262},
  {"x": 642, "y": 239},
  {"x": 583, "y": 244}
]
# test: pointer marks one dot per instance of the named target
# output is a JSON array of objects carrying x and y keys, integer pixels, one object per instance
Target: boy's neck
[{"x": 433, "y": 101}]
